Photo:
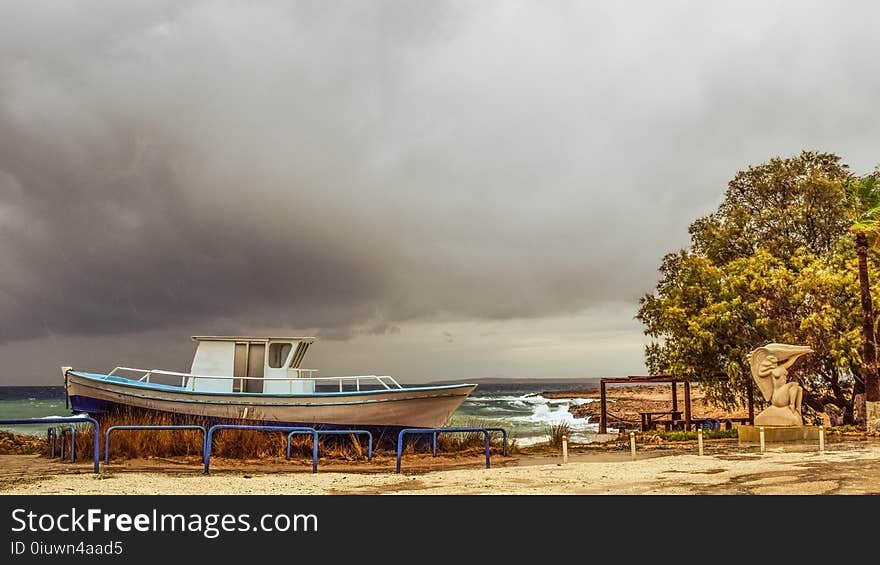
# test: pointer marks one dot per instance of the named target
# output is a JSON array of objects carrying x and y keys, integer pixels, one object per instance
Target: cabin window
[
  {"x": 278, "y": 353},
  {"x": 298, "y": 354}
]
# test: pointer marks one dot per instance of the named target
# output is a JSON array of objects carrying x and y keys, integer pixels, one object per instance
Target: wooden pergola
[{"x": 603, "y": 418}]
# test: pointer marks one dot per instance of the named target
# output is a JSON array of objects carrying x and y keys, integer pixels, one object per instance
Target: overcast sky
[{"x": 435, "y": 190}]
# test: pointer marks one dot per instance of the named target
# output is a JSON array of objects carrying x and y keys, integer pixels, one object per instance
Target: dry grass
[
  {"x": 556, "y": 432},
  {"x": 239, "y": 444},
  {"x": 458, "y": 442},
  {"x": 252, "y": 444}
]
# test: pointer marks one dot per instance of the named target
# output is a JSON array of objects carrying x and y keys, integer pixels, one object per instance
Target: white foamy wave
[
  {"x": 585, "y": 435},
  {"x": 553, "y": 416},
  {"x": 530, "y": 440},
  {"x": 507, "y": 398},
  {"x": 579, "y": 401},
  {"x": 529, "y": 415},
  {"x": 528, "y": 399}
]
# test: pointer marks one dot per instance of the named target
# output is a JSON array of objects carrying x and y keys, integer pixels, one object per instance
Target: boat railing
[
  {"x": 188, "y": 380},
  {"x": 387, "y": 381}
]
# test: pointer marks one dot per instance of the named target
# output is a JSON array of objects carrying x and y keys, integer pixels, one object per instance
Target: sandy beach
[{"x": 846, "y": 467}]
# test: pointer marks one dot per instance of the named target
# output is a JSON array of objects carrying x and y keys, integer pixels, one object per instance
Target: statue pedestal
[{"x": 777, "y": 434}]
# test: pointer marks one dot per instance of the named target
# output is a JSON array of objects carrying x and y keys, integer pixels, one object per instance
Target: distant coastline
[
  {"x": 523, "y": 380},
  {"x": 16, "y": 392}
]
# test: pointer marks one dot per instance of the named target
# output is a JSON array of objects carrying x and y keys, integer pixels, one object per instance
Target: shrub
[
  {"x": 556, "y": 432},
  {"x": 692, "y": 435}
]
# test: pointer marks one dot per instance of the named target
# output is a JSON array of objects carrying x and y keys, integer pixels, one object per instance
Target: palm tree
[{"x": 866, "y": 192}]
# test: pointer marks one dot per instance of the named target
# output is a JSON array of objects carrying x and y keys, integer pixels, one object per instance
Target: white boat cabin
[{"x": 268, "y": 365}]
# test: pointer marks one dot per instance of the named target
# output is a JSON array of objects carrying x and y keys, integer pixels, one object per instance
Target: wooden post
[
  {"x": 674, "y": 396},
  {"x": 632, "y": 444},
  {"x": 603, "y": 420},
  {"x": 821, "y": 439},
  {"x": 687, "y": 405},
  {"x": 700, "y": 439},
  {"x": 564, "y": 449},
  {"x": 761, "y": 435}
]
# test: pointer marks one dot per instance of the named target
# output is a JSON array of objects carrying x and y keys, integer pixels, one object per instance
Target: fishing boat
[{"x": 260, "y": 379}]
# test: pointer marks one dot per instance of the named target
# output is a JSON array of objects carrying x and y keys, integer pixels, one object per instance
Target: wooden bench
[
  {"x": 727, "y": 422},
  {"x": 650, "y": 419}
]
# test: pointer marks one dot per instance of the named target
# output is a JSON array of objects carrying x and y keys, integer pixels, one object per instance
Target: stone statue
[{"x": 772, "y": 378}]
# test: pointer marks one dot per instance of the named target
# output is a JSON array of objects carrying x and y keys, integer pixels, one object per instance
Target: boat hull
[{"x": 416, "y": 407}]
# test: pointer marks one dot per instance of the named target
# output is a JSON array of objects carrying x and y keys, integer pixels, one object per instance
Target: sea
[
  {"x": 19, "y": 402},
  {"x": 518, "y": 407}
]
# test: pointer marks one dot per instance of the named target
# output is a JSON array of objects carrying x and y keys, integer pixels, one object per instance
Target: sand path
[{"x": 845, "y": 468}]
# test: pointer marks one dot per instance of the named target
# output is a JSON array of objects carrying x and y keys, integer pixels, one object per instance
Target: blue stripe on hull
[{"x": 92, "y": 406}]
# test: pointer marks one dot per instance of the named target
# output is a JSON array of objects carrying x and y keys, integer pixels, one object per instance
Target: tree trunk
[{"x": 871, "y": 380}]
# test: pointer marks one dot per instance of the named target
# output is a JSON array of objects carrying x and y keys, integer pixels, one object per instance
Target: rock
[{"x": 20, "y": 444}]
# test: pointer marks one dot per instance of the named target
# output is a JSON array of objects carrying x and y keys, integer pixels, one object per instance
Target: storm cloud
[{"x": 353, "y": 168}]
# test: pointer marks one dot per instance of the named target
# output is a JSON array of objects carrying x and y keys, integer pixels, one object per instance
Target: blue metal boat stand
[
  {"x": 316, "y": 433},
  {"x": 210, "y": 439},
  {"x": 72, "y": 431},
  {"x": 439, "y": 431},
  {"x": 145, "y": 427},
  {"x": 51, "y": 437},
  {"x": 435, "y": 431},
  {"x": 96, "y": 428}
]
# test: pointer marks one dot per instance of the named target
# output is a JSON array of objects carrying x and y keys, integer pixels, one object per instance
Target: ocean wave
[
  {"x": 528, "y": 415},
  {"x": 544, "y": 414},
  {"x": 577, "y": 436},
  {"x": 528, "y": 399}
]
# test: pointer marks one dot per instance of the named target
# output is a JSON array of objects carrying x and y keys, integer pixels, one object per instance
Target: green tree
[
  {"x": 779, "y": 206},
  {"x": 774, "y": 263}
]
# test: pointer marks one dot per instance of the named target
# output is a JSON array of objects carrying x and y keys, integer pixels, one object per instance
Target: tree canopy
[
  {"x": 779, "y": 206},
  {"x": 775, "y": 262}
]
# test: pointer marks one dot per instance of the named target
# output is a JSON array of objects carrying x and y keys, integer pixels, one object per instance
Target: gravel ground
[{"x": 848, "y": 467}]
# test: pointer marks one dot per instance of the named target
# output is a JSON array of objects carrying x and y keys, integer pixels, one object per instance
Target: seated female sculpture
[{"x": 772, "y": 378}]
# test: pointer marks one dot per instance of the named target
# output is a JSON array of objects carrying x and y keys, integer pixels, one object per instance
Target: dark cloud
[{"x": 350, "y": 168}]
